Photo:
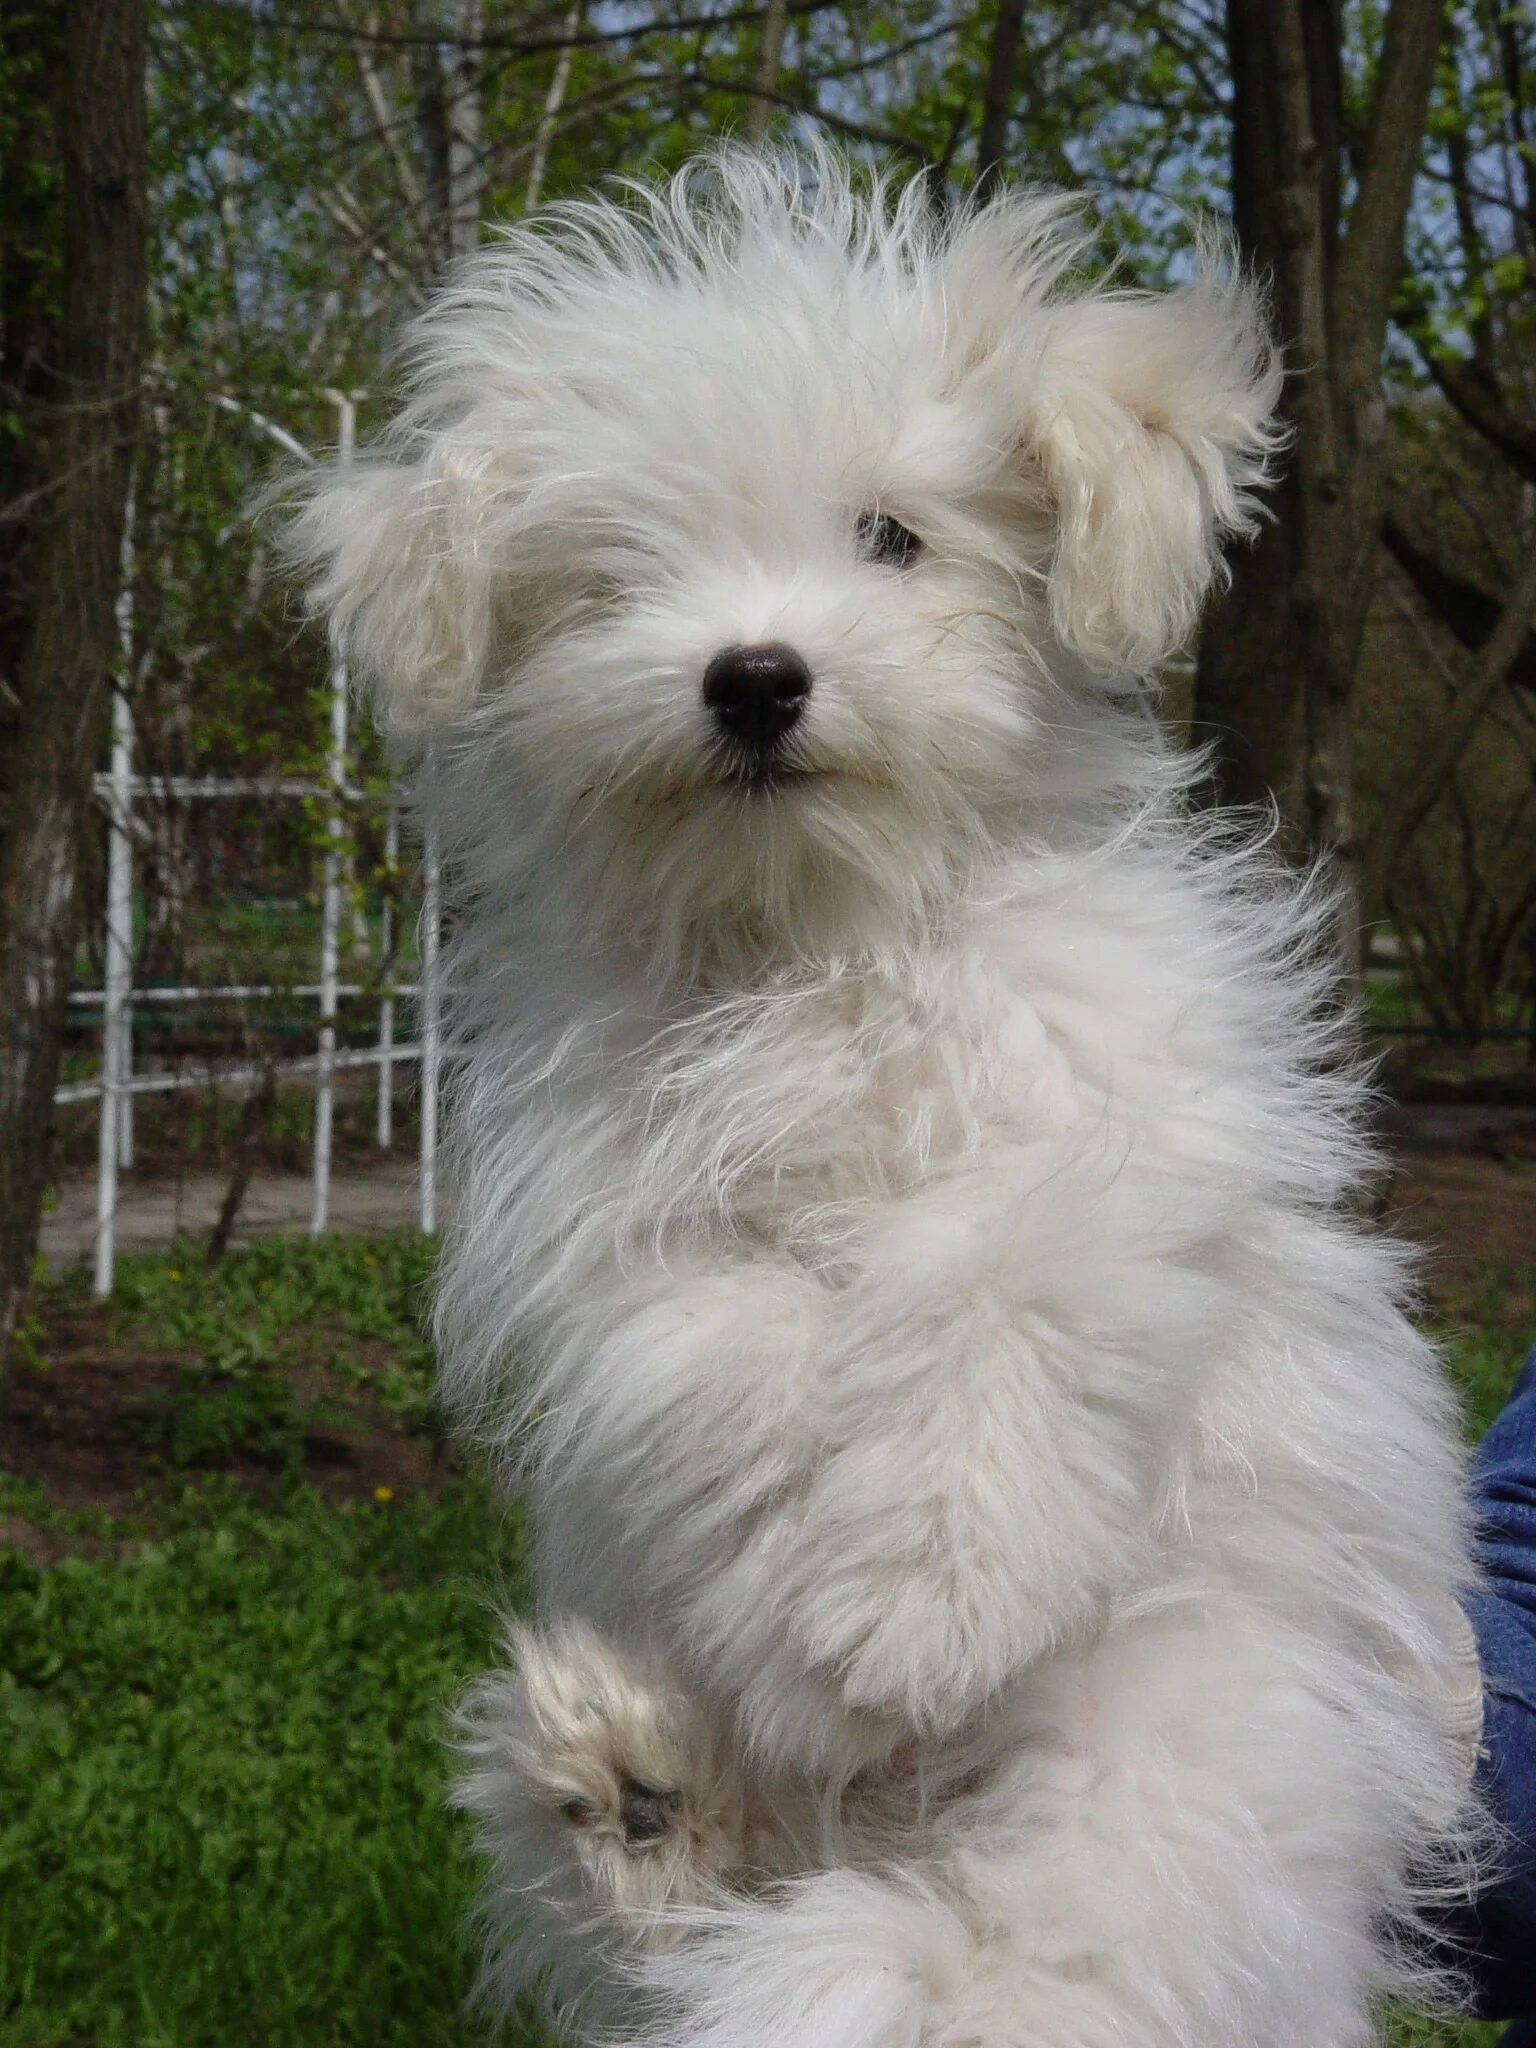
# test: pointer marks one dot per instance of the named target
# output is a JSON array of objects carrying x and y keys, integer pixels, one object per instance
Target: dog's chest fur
[
  {"x": 784, "y": 1109},
  {"x": 779, "y": 1113},
  {"x": 859, "y": 1088}
]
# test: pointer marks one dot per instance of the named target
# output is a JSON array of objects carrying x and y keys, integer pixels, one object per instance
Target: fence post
[
  {"x": 431, "y": 1001},
  {"x": 115, "y": 1020},
  {"x": 387, "y": 974},
  {"x": 122, "y": 724},
  {"x": 330, "y": 913}
]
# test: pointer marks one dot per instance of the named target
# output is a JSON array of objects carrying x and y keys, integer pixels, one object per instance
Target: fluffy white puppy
[{"x": 997, "y": 1529}]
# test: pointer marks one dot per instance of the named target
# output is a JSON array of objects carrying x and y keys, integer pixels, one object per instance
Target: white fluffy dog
[{"x": 998, "y": 1532}]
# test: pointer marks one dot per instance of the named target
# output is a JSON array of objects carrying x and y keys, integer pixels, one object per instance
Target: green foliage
[
  {"x": 213, "y": 1418},
  {"x": 31, "y": 47},
  {"x": 222, "y": 1779},
  {"x": 1485, "y": 1355},
  {"x": 222, "y": 1772},
  {"x": 353, "y": 1306},
  {"x": 1415, "y": 2030}
]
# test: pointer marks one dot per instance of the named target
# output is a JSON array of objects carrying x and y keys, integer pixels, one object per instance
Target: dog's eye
[{"x": 885, "y": 540}]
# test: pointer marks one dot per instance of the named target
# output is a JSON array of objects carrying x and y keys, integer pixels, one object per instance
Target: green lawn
[
  {"x": 221, "y": 1782},
  {"x": 225, "y": 1649},
  {"x": 221, "y": 1773}
]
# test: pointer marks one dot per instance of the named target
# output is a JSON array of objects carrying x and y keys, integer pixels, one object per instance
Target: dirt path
[{"x": 152, "y": 1211}]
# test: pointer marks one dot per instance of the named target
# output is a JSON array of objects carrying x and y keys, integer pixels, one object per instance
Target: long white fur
[{"x": 906, "y": 1233}]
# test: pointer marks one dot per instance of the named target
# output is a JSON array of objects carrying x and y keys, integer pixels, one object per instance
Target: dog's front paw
[{"x": 602, "y": 1784}]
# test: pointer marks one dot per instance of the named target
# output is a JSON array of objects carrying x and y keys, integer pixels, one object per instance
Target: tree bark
[
  {"x": 1279, "y": 655},
  {"x": 765, "y": 73},
  {"x": 999, "y": 98},
  {"x": 1487, "y": 411},
  {"x": 466, "y": 148},
  {"x": 69, "y": 646},
  {"x": 430, "y": 96},
  {"x": 554, "y": 100},
  {"x": 32, "y": 52},
  {"x": 1261, "y": 640}
]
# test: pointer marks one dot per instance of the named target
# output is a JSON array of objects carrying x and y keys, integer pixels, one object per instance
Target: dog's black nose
[{"x": 757, "y": 693}]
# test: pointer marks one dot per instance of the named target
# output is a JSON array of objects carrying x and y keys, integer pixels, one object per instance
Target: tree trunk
[
  {"x": 430, "y": 95},
  {"x": 554, "y": 100},
  {"x": 765, "y": 74},
  {"x": 69, "y": 647},
  {"x": 1279, "y": 655},
  {"x": 1000, "y": 98},
  {"x": 466, "y": 148},
  {"x": 32, "y": 54},
  {"x": 1260, "y": 642}
]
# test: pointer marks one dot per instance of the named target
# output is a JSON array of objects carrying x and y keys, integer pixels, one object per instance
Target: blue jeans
[{"x": 1499, "y": 1930}]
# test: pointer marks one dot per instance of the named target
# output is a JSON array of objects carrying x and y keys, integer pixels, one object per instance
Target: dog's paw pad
[
  {"x": 642, "y": 1816},
  {"x": 647, "y": 1815}
]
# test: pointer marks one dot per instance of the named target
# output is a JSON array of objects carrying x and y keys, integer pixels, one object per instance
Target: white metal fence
[{"x": 117, "y": 1085}]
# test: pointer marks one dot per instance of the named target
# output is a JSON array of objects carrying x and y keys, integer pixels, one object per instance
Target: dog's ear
[
  {"x": 1150, "y": 419},
  {"x": 398, "y": 559}
]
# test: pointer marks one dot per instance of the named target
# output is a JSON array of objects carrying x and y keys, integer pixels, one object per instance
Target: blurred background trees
[{"x": 313, "y": 164}]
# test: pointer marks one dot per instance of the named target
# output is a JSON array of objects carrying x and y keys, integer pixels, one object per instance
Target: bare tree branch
[
  {"x": 1463, "y": 607},
  {"x": 1489, "y": 674},
  {"x": 840, "y": 124},
  {"x": 533, "y": 46},
  {"x": 1484, "y": 408},
  {"x": 387, "y": 126},
  {"x": 343, "y": 209}
]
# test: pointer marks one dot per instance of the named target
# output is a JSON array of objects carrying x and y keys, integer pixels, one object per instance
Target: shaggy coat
[{"x": 998, "y": 1530}]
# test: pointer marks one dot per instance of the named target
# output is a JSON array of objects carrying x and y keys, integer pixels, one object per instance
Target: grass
[
  {"x": 223, "y": 1782},
  {"x": 222, "y": 1778},
  {"x": 1485, "y": 1369},
  {"x": 351, "y": 1306}
]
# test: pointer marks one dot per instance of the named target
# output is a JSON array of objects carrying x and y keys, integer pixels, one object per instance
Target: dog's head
[{"x": 738, "y": 535}]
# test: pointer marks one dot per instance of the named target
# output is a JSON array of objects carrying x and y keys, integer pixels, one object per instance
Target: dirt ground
[
  {"x": 104, "y": 1424},
  {"x": 96, "y": 1430},
  {"x": 1473, "y": 1213}
]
